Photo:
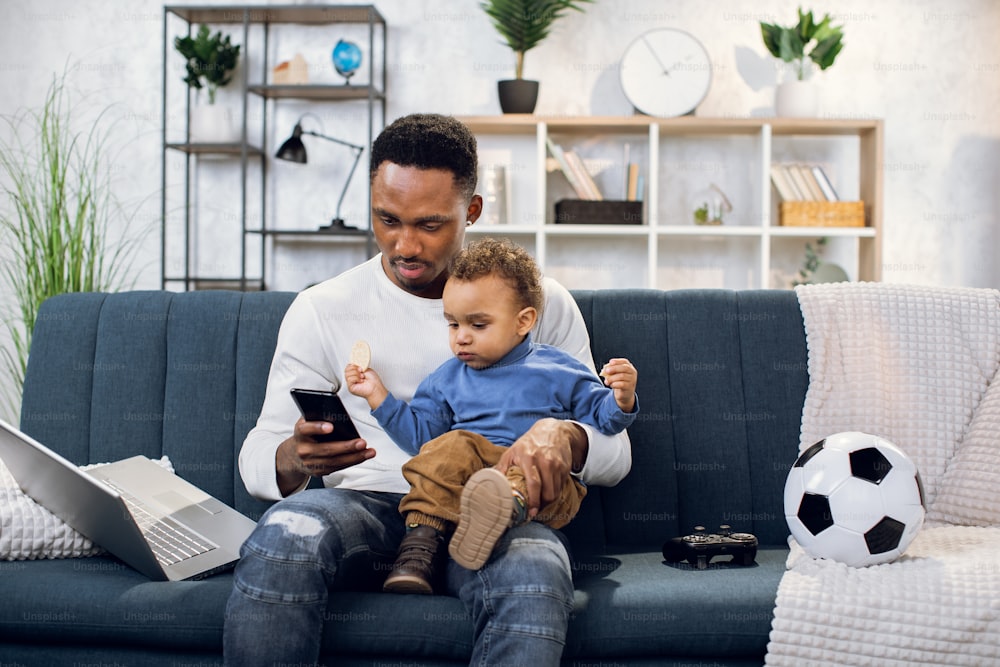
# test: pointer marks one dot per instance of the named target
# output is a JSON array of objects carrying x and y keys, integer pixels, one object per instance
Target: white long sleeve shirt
[{"x": 409, "y": 339}]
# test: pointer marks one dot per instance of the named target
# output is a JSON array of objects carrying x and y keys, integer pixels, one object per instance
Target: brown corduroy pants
[{"x": 439, "y": 472}]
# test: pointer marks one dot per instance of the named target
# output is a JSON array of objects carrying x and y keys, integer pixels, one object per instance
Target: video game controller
[{"x": 700, "y": 547}]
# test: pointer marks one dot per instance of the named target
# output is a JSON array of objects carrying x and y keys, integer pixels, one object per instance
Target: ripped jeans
[{"x": 334, "y": 539}]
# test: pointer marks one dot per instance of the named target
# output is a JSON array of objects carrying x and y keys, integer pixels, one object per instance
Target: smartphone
[{"x": 325, "y": 406}]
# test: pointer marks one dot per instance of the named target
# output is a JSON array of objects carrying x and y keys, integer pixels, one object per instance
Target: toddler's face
[{"x": 485, "y": 321}]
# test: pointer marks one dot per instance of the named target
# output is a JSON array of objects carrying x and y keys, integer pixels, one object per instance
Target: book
[
  {"x": 627, "y": 163},
  {"x": 560, "y": 156},
  {"x": 815, "y": 192},
  {"x": 824, "y": 183},
  {"x": 782, "y": 184},
  {"x": 632, "y": 189},
  {"x": 795, "y": 176},
  {"x": 583, "y": 176}
]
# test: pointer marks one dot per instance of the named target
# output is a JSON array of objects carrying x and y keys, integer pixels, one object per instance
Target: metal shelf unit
[{"x": 263, "y": 18}]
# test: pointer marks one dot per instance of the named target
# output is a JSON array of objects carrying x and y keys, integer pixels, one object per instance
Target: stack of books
[
  {"x": 590, "y": 206},
  {"x": 802, "y": 182},
  {"x": 809, "y": 199},
  {"x": 575, "y": 171}
]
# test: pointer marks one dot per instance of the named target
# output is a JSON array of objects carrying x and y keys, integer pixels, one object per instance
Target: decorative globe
[
  {"x": 346, "y": 58},
  {"x": 854, "y": 498}
]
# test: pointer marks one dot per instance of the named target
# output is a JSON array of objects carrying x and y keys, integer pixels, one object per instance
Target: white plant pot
[
  {"x": 213, "y": 124},
  {"x": 796, "y": 99}
]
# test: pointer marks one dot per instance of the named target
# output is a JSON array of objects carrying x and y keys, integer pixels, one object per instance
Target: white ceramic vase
[
  {"x": 212, "y": 124},
  {"x": 796, "y": 99}
]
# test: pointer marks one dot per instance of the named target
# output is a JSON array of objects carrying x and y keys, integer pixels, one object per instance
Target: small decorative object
[
  {"x": 294, "y": 72},
  {"x": 815, "y": 271},
  {"x": 210, "y": 61},
  {"x": 854, "y": 498},
  {"x": 493, "y": 188},
  {"x": 824, "y": 41},
  {"x": 665, "y": 72},
  {"x": 523, "y": 24},
  {"x": 346, "y": 59},
  {"x": 710, "y": 206},
  {"x": 811, "y": 263}
]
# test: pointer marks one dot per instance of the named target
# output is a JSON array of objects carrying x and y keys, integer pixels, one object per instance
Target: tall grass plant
[{"x": 61, "y": 227}]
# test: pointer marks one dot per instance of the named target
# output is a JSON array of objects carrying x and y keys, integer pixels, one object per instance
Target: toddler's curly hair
[{"x": 502, "y": 258}]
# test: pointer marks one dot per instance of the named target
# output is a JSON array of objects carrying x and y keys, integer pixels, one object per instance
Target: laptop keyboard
[{"x": 170, "y": 541}]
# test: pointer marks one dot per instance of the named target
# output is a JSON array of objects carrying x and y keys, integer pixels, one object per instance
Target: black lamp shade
[{"x": 293, "y": 149}]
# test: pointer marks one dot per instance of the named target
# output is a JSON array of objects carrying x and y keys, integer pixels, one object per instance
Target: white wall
[{"x": 930, "y": 68}]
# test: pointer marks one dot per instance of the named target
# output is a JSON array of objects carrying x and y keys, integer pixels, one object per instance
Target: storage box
[
  {"x": 822, "y": 214},
  {"x": 603, "y": 212}
]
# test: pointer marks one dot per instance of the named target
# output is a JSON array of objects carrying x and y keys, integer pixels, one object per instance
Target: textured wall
[{"x": 929, "y": 68}]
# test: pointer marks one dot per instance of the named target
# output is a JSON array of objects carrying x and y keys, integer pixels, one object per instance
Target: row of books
[
  {"x": 575, "y": 171},
  {"x": 802, "y": 182}
]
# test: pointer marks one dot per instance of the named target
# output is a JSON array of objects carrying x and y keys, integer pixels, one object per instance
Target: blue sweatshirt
[{"x": 501, "y": 402}]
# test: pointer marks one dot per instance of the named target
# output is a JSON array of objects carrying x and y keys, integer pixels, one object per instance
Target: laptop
[{"x": 163, "y": 526}]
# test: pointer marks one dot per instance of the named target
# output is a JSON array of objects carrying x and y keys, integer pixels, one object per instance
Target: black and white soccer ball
[{"x": 855, "y": 498}]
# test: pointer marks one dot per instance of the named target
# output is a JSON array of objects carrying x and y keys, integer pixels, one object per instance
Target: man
[{"x": 423, "y": 180}]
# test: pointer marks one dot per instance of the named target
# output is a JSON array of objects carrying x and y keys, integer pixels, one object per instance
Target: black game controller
[{"x": 699, "y": 547}]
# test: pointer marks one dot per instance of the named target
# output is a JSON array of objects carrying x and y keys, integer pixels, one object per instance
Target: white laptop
[{"x": 161, "y": 525}]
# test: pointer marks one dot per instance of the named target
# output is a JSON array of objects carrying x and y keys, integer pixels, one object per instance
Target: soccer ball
[{"x": 854, "y": 498}]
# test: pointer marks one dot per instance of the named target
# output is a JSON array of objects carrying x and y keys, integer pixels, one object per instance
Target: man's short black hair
[{"x": 429, "y": 141}]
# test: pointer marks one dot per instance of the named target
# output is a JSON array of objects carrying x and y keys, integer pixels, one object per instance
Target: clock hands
[{"x": 655, "y": 55}]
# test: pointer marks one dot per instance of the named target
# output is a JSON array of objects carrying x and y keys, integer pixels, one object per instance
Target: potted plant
[
  {"x": 61, "y": 228},
  {"x": 806, "y": 44},
  {"x": 523, "y": 24},
  {"x": 209, "y": 63}
]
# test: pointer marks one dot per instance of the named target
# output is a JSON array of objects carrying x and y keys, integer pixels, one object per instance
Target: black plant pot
[{"x": 517, "y": 95}]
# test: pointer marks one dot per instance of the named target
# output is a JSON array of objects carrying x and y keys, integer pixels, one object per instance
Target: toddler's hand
[
  {"x": 366, "y": 384},
  {"x": 621, "y": 376}
]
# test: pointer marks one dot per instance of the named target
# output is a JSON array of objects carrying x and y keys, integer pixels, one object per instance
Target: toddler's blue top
[{"x": 501, "y": 402}]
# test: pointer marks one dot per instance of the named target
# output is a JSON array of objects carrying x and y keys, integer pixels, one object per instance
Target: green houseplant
[
  {"x": 209, "y": 60},
  {"x": 523, "y": 25},
  {"x": 61, "y": 228},
  {"x": 803, "y": 45},
  {"x": 209, "y": 63}
]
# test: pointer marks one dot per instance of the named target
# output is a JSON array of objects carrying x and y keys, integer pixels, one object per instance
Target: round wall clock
[{"x": 665, "y": 72}]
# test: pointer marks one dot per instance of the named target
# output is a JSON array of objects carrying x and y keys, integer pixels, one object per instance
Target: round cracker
[{"x": 361, "y": 355}]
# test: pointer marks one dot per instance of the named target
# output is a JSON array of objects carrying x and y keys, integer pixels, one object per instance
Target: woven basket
[{"x": 822, "y": 214}]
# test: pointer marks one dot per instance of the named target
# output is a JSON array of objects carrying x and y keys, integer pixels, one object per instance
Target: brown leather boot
[{"x": 418, "y": 562}]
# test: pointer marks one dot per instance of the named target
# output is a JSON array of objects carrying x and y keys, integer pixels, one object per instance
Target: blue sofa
[{"x": 722, "y": 382}]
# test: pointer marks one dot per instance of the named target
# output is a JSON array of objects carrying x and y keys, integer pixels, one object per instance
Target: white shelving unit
[{"x": 677, "y": 157}]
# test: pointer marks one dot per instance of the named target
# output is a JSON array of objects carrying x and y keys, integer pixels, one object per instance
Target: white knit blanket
[{"x": 918, "y": 366}]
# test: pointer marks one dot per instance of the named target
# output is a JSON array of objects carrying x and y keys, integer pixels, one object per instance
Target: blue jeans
[{"x": 333, "y": 539}]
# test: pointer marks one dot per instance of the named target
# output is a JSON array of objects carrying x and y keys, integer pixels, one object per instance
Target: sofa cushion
[
  {"x": 102, "y": 601},
  {"x": 628, "y": 603},
  {"x": 631, "y": 603},
  {"x": 722, "y": 380}
]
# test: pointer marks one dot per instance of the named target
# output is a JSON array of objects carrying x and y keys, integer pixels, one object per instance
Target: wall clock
[{"x": 665, "y": 72}]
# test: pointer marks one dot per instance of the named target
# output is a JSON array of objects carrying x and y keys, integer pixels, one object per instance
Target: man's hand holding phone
[{"x": 324, "y": 441}]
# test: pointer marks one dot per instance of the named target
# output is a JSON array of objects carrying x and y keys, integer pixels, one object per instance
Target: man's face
[
  {"x": 419, "y": 219},
  {"x": 485, "y": 320}
]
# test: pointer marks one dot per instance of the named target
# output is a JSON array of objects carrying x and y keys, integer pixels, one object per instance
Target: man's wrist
[
  {"x": 579, "y": 447},
  {"x": 288, "y": 476}
]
